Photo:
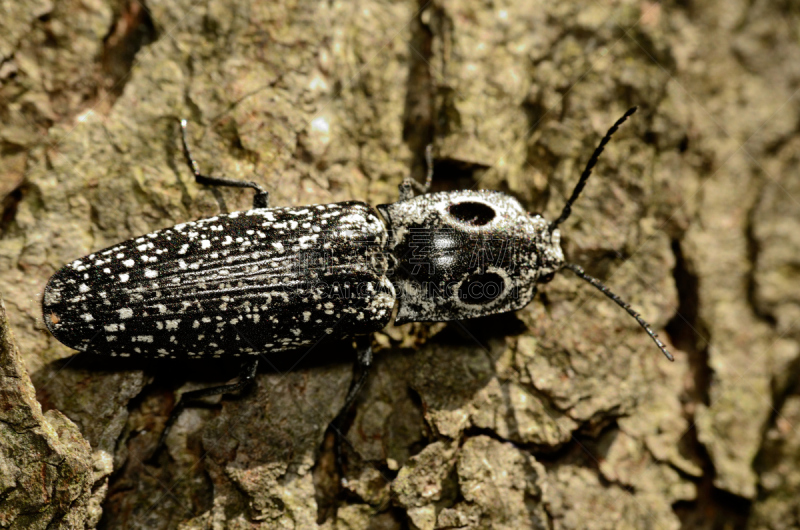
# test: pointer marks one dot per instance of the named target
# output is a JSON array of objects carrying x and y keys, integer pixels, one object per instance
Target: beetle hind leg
[
  {"x": 261, "y": 198},
  {"x": 246, "y": 377}
]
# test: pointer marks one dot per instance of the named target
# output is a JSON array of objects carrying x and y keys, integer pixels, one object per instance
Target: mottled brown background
[{"x": 562, "y": 416}]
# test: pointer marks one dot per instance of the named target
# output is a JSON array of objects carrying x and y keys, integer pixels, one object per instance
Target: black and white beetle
[{"x": 276, "y": 279}]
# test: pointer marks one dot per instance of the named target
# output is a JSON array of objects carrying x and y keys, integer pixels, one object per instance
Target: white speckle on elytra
[
  {"x": 83, "y": 288},
  {"x": 111, "y": 328},
  {"x": 150, "y": 273},
  {"x": 173, "y": 324},
  {"x": 128, "y": 263},
  {"x": 87, "y": 317},
  {"x": 205, "y": 243},
  {"x": 125, "y": 312}
]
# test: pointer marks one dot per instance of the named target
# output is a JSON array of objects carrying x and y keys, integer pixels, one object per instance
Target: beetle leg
[
  {"x": 408, "y": 184},
  {"x": 429, "y": 162},
  {"x": 261, "y": 198},
  {"x": 360, "y": 373},
  {"x": 246, "y": 377}
]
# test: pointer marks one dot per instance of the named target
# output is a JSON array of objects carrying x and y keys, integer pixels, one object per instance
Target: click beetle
[{"x": 269, "y": 280}]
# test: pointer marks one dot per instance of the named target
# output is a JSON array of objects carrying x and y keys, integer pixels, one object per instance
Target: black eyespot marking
[
  {"x": 481, "y": 288},
  {"x": 547, "y": 278},
  {"x": 472, "y": 213}
]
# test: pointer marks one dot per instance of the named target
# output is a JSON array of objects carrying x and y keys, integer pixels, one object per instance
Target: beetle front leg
[
  {"x": 261, "y": 198},
  {"x": 408, "y": 184}
]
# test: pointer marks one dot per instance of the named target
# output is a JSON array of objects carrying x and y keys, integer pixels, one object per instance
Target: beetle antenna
[
  {"x": 620, "y": 302},
  {"x": 588, "y": 171}
]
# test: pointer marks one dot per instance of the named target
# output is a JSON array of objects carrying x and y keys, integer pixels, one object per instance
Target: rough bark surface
[
  {"x": 48, "y": 475},
  {"x": 563, "y": 415}
]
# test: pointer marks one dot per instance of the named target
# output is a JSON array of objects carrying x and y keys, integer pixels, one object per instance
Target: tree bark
[{"x": 561, "y": 415}]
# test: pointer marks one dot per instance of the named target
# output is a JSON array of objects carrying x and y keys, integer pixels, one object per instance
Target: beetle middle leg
[
  {"x": 261, "y": 198},
  {"x": 361, "y": 368},
  {"x": 360, "y": 373}
]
